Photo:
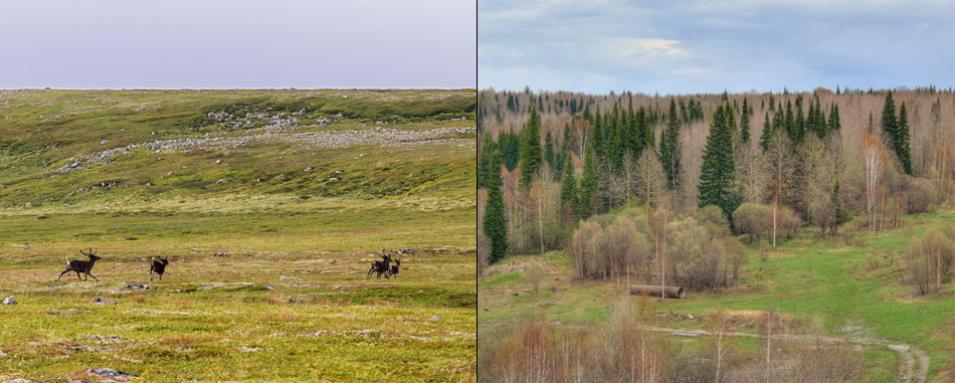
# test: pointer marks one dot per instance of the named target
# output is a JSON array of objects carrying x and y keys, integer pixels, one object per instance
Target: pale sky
[
  {"x": 237, "y": 44},
  {"x": 691, "y": 46}
]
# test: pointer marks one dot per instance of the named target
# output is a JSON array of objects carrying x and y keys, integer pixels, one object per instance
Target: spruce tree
[
  {"x": 589, "y": 185},
  {"x": 670, "y": 147},
  {"x": 716, "y": 186},
  {"x": 903, "y": 148},
  {"x": 568, "y": 189},
  {"x": 834, "y": 122},
  {"x": 510, "y": 147},
  {"x": 799, "y": 125},
  {"x": 889, "y": 121},
  {"x": 495, "y": 223},
  {"x": 530, "y": 159},
  {"x": 487, "y": 146},
  {"x": 767, "y": 132},
  {"x": 549, "y": 154},
  {"x": 744, "y": 122},
  {"x": 790, "y": 123}
]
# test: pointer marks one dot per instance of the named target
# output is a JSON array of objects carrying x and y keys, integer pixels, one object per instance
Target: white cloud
[{"x": 644, "y": 51}]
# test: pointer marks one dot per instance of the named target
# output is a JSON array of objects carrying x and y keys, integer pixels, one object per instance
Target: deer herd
[{"x": 157, "y": 265}]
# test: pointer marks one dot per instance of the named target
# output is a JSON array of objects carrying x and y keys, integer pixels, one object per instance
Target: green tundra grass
[
  {"x": 300, "y": 223},
  {"x": 851, "y": 286}
]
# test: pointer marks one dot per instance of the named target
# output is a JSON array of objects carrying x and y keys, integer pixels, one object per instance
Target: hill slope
[{"x": 299, "y": 187}]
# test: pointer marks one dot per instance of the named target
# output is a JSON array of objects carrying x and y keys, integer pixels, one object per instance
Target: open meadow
[{"x": 270, "y": 207}]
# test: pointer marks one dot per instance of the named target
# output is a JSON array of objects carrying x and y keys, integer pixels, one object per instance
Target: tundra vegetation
[
  {"x": 785, "y": 215},
  {"x": 269, "y": 207}
]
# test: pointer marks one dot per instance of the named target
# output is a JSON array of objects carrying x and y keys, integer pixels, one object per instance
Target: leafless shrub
[{"x": 928, "y": 262}]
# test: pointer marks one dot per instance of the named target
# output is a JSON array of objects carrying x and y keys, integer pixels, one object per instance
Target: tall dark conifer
[
  {"x": 670, "y": 147},
  {"x": 716, "y": 186},
  {"x": 767, "y": 132},
  {"x": 495, "y": 222},
  {"x": 589, "y": 184},
  {"x": 744, "y": 122},
  {"x": 531, "y": 157},
  {"x": 568, "y": 190},
  {"x": 903, "y": 148}
]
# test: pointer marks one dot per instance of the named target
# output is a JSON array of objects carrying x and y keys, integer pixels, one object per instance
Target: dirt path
[{"x": 912, "y": 369}]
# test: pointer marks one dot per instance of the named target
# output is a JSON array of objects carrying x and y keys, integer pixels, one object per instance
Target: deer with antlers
[
  {"x": 81, "y": 267},
  {"x": 157, "y": 265}
]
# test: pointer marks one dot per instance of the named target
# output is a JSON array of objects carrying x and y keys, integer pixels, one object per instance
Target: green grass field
[
  {"x": 852, "y": 287},
  {"x": 301, "y": 223}
]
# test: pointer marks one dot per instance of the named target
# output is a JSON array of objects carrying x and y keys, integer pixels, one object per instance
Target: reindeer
[
  {"x": 81, "y": 267},
  {"x": 380, "y": 267},
  {"x": 157, "y": 265},
  {"x": 393, "y": 271}
]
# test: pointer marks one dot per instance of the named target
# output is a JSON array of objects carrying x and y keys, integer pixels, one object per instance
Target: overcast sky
[
  {"x": 710, "y": 46},
  {"x": 237, "y": 43}
]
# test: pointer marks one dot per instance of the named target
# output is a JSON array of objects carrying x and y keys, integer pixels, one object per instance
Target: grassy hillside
[
  {"x": 300, "y": 187},
  {"x": 848, "y": 287}
]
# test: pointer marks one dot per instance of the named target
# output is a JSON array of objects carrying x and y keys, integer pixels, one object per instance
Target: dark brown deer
[
  {"x": 158, "y": 266},
  {"x": 81, "y": 267},
  {"x": 380, "y": 267},
  {"x": 393, "y": 272}
]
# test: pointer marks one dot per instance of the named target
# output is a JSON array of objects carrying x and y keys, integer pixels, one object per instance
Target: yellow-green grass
[
  {"x": 277, "y": 214},
  {"x": 851, "y": 286}
]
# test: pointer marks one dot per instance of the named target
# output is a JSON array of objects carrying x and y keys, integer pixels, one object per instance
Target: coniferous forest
[{"x": 725, "y": 196}]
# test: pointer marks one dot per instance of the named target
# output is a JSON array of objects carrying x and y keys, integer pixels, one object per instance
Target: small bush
[
  {"x": 919, "y": 194},
  {"x": 756, "y": 221},
  {"x": 929, "y": 261}
]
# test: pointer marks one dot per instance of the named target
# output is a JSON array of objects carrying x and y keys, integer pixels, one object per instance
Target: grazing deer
[
  {"x": 81, "y": 267},
  {"x": 393, "y": 271},
  {"x": 380, "y": 267},
  {"x": 158, "y": 266}
]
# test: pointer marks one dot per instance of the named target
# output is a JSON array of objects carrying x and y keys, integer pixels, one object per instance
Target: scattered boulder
[
  {"x": 436, "y": 318},
  {"x": 18, "y": 380},
  {"x": 103, "y": 301},
  {"x": 407, "y": 250},
  {"x": 332, "y": 179},
  {"x": 109, "y": 373},
  {"x": 10, "y": 300},
  {"x": 288, "y": 278},
  {"x": 220, "y": 254},
  {"x": 218, "y": 162},
  {"x": 137, "y": 286}
]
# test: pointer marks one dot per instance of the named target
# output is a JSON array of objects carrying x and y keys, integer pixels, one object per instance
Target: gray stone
[
  {"x": 10, "y": 300},
  {"x": 109, "y": 373}
]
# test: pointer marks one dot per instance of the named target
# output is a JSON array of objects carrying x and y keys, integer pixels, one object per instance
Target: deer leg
[
  {"x": 94, "y": 277},
  {"x": 78, "y": 276},
  {"x": 63, "y": 273}
]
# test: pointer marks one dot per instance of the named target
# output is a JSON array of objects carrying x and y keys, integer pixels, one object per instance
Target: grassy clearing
[
  {"x": 851, "y": 286},
  {"x": 291, "y": 302}
]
